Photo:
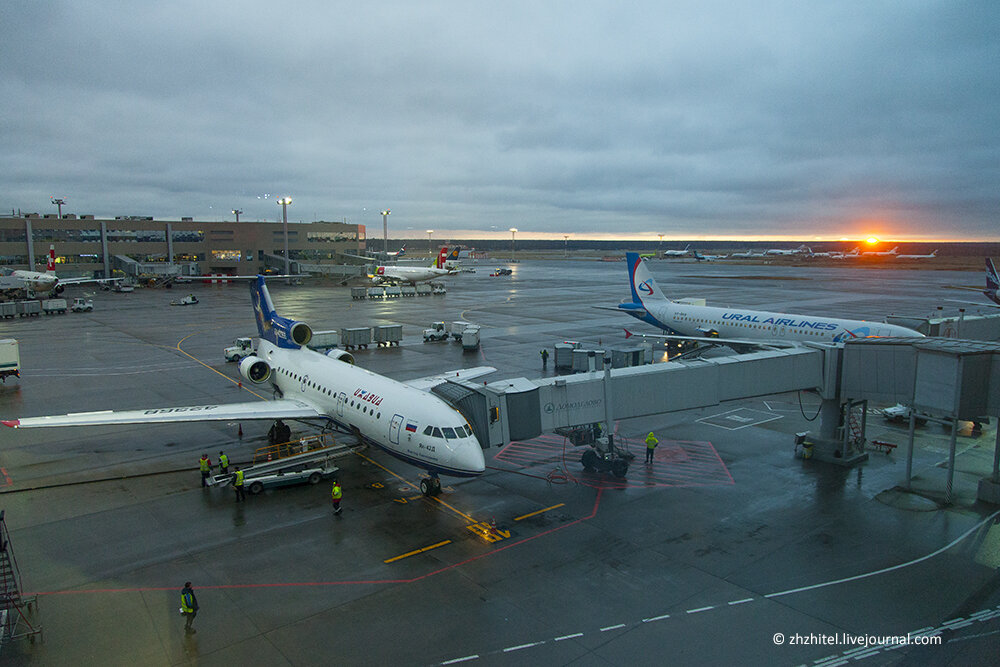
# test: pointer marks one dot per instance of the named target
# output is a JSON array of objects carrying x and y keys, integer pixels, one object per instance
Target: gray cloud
[{"x": 778, "y": 118}]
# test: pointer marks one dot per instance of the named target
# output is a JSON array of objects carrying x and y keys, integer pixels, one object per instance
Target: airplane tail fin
[
  {"x": 272, "y": 327},
  {"x": 441, "y": 258},
  {"x": 992, "y": 279},
  {"x": 644, "y": 288},
  {"x": 50, "y": 265}
]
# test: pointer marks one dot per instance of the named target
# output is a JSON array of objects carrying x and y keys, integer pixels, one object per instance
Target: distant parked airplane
[
  {"x": 881, "y": 253},
  {"x": 47, "y": 282},
  {"x": 677, "y": 253},
  {"x": 933, "y": 254},
  {"x": 801, "y": 250}
]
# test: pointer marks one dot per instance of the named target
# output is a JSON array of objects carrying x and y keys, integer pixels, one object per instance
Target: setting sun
[{"x": 871, "y": 240}]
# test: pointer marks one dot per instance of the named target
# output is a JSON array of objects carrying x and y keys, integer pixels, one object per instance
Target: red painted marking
[
  {"x": 13, "y": 423},
  {"x": 7, "y": 480}
]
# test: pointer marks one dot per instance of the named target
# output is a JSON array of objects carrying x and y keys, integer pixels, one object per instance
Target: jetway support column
[
  {"x": 829, "y": 414},
  {"x": 831, "y": 444},
  {"x": 989, "y": 488},
  {"x": 909, "y": 449},
  {"x": 951, "y": 461}
]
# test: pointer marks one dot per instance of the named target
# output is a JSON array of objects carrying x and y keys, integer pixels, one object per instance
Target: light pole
[
  {"x": 513, "y": 233},
  {"x": 237, "y": 212},
  {"x": 284, "y": 202},
  {"x": 430, "y": 245},
  {"x": 59, "y": 201},
  {"x": 660, "y": 247},
  {"x": 566, "y": 245},
  {"x": 385, "y": 231}
]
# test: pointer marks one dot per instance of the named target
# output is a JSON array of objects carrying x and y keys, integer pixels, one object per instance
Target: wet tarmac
[{"x": 726, "y": 549}]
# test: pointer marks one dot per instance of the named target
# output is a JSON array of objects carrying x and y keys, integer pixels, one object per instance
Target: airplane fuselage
[
  {"x": 410, "y": 424},
  {"x": 409, "y": 274}
]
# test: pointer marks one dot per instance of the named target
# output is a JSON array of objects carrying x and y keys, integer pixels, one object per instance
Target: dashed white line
[
  {"x": 572, "y": 636},
  {"x": 740, "y": 601},
  {"x": 457, "y": 660},
  {"x": 695, "y": 611},
  {"x": 613, "y": 627},
  {"x": 518, "y": 648},
  {"x": 655, "y": 618}
]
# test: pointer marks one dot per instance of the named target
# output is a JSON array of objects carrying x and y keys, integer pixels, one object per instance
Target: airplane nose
[{"x": 471, "y": 457}]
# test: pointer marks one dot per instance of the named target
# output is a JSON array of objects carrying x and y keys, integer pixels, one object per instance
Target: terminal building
[{"x": 140, "y": 246}]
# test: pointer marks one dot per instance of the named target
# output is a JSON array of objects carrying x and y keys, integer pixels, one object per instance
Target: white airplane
[
  {"x": 677, "y": 253},
  {"x": 48, "y": 282},
  {"x": 801, "y": 250},
  {"x": 682, "y": 320},
  {"x": 881, "y": 253},
  {"x": 402, "y": 418},
  {"x": 706, "y": 258},
  {"x": 933, "y": 254},
  {"x": 746, "y": 254},
  {"x": 414, "y": 274},
  {"x": 991, "y": 291}
]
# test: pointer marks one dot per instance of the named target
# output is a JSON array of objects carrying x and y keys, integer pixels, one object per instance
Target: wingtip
[
  {"x": 13, "y": 423},
  {"x": 628, "y": 334}
]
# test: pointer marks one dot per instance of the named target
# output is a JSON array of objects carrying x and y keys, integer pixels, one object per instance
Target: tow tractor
[
  {"x": 307, "y": 460},
  {"x": 189, "y": 300},
  {"x": 605, "y": 456}
]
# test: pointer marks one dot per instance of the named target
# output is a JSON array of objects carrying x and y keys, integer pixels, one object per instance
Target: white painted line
[
  {"x": 695, "y": 611},
  {"x": 613, "y": 627},
  {"x": 655, "y": 618},
  {"x": 518, "y": 648},
  {"x": 465, "y": 659},
  {"x": 572, "y": 636},
  {"x": 744, "y": 600},
  {"x": 889, "y": 569}
]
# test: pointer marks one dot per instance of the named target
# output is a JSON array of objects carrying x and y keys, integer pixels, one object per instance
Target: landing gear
[
  {"x": 430, "y": 486},
  {"x": 605, "y": 457}
]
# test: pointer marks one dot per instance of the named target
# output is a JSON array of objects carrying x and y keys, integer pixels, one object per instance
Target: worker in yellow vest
[
  {"x": 189, "y": 606},
  {"x": 206, "y": 469},
  {"x": 238, "y": 484},
  {"x": 223, "y": 464},
  {"x": 651, "y": 443},
  {"x": 335, "y": 495}
]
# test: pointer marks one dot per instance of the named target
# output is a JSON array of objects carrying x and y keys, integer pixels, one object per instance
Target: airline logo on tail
[
  {"x": 272, "y": 327},
  {"x": 50, "y": 265},
  {"x": 441, "y": 258},
  {"x": 992, "y": 280}
]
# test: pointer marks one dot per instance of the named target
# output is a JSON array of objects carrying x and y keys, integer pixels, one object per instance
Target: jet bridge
[{"x": 951, "y": 378}]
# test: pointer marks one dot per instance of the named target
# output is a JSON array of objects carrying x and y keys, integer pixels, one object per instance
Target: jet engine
[
  {"x": 341, "y": 355},
  {"x": 59, "y": 289},
  {"x": 255, "y": 369}
]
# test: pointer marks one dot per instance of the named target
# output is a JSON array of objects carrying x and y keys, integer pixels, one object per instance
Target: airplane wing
[
  {"x": 81, "y": 281},
  {"x": 280, "y": 409},
  {"x": 717, "y": 341},
  {"x": 975, "y": 303},
  {"x": 431, "y": 381}
]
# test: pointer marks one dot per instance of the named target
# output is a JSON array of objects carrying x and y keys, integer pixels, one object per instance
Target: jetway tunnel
[{"x": 953, "y": 379}]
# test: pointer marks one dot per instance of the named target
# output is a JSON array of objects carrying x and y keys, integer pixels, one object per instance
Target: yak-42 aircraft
[
  {"x": 402, "y": 418},
  {"x": 739, "y": 325},
  {"x": 49, "y": 282}
]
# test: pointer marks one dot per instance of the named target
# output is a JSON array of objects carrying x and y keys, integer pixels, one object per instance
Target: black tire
[
  {"x": 589, "y": 460},
  {"x": 425, "y": 487},
  {"x": 315, "y": 478},
  {"x": 255, "y": 488},
  {"x": 619, "y": 468}
]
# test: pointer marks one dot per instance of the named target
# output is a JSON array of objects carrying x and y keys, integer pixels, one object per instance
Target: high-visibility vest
[
  {"x": 651, "y": 441},
  {"x": 239, "y": 478},
  {"x": 336, "y": 493},
  {"x": 206, "y": 465},
  {"x": 223, "y": 461},
  {"x": 187, "y": 603}
]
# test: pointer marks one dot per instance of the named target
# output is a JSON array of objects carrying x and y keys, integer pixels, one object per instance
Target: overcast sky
[{"x": 631, "y": 119}]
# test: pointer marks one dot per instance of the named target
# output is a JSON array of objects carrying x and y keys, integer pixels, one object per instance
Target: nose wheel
[{"x": 430, "y": 486}]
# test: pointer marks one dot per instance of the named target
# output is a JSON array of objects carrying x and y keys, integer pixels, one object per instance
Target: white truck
[
  {"x": 10, "y": 359},
  {"x": 82, "y": 305},
  {"x": 241, "y": 347},
  {"x": 435, "y": 333},
  {"x": 470, "y": 337}
]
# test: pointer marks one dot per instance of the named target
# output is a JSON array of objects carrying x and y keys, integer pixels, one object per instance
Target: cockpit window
[
  {"x": 428, "y": 430},
  {"x": 449, "y": 433},
  {"x": 437, "y": 432}
]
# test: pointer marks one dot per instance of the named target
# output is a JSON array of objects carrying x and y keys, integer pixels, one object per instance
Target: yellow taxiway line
[
  {"x": 538, "y": 512},
  {"x": 417, "y": 551}
]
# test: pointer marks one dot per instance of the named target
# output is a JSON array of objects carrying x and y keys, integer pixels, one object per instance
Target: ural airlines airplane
[
  {"x": 414, "y": 274},
  {"x": 650, "y": 305},
  {"x": 49, "y": 281},
  {"x": 402, "y": 418},
  {"x": 992, "y": 287}
]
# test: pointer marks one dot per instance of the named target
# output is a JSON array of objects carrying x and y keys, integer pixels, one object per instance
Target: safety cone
[{"x": 269, "y": 456}]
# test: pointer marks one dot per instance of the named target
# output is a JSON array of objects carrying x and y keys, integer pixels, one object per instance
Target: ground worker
[
  {"x": 189, "y": 607},
  {"x": 651, "y": 443},
  {"x": 545, "y": 358},
  {"x": 206, "y": 469},
  {"x": 223, "y": 463},
  {"x": 238, "y": 484},
  {"x": 335, "y": 495}
]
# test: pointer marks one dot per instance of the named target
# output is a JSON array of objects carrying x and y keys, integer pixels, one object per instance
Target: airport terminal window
[
  {"x": 187, "y": 236},
  {"x": 13, "y": 259},
  {"x": 12, "y": 235},
  {"x": 227, "y": 255}
]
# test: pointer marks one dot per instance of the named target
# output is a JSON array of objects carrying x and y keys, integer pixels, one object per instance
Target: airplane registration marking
[
  {"x": 417, "y": 551},
  {"x": 525, "y": 516}
]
